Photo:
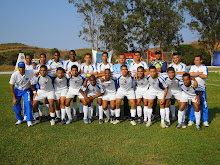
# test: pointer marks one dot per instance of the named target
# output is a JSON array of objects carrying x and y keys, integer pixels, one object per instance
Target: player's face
[
  {"x": 60, "y": 74},
  {"x": 153, "y": 73},
  {"x": 124, "y": 71},
  {"x": 140, "y": 72},
  {"x": 176, "y": 59},
  {"x": 92, "y": 81},
  {"x": 197, "y": 61},
  {"x": 21, "y": 69},
  {"x": 72, "y": 56},
  {"x": 107, "y": 74},
  {"x": 121, "y": 59},
  {"x": 158, "y": 56},
  {"x": 43, "y": 72},
  {"x": 171, "y": 74},
  {"x": 28, "y": 59},
  {"x": 87, "y": 59},
  {"x": 74, "y": 71},
  {"x": 42, "y": 59},
  {"x": 186, "y": 81},
  {"x": 137, "y": 56},
  {"x": 105, "y": 57},
  {"x": 56, "y": 56}
]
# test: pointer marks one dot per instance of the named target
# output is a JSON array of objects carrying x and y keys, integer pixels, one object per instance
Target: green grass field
[{"x": 78, "y": 143}]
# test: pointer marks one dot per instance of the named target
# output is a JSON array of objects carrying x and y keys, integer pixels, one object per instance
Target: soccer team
[{"x": 57, "y": 82}]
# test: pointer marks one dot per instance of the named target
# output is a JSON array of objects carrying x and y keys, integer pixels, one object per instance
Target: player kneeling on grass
[
  {"x": 125, "y": 88},
  {"x": 94, "y": 90},
  {"x": 173, "y": 91},
  {"x": 189, "y": 87},
  {"x": 157, "y": 88},
  {"x": 141, "y": 92},
  {"x": 20, "y": 87},
  {"x": 110, "y": 86},
  {"x": 75, "y": 82},
  {"x": 61, "y": 89},
  {"x": 45, "y": 90}
]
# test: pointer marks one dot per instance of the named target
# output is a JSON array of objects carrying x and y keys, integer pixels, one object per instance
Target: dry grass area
[{"x": 4, "y": 68}]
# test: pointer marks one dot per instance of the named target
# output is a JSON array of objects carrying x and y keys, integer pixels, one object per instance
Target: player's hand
[
  {"x": 162, "y": 101},
  {"x": 135, "y": 76},
  {"x": 87, "y": 100},
  {"x": 15, "y": 101},
  {"x": 90, "y": 98},
  {"x": 36, "y": 74},
  {"x": 101, "y": 79},
  {"x": 69, "y": 74},
  {"x": 198, "y": 99}
]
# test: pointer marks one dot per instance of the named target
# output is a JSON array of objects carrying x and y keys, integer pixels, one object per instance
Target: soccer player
[
  {"x": 54, "y": 64},
  {"x": 189, "y": 88},
  {"x": 174, "y": 91},
  {"x": 19, "y": 85},
  {"x": 125, "y": 88},
  {"x": 61, "y": 89},
  {"x": 200, "y": 73},
  {"x": 29, "y": 65},
  {"x": 141, "y": 92},
  {"x": 45, "y": 90},
  {"x": 110, "y": 86},
  {"x": 157, "y": 88},
  {"x": 180, "y": 69},
  {"x": 94, "y": 90},
  {"x": 104, "y": 65}
]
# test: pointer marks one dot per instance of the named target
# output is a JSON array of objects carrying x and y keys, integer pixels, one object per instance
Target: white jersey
[
  {"x": 125, "y": 83},
  {"x": 133, "y": 67},
  {"x": 93, "y": 90},
  {"x": 201, "y": 68},
  {"x": 142, "y": 84},
  {"x": 191, "y": 91},
  {"x": 157, "y": 84},
  {"x": 44, "y": 83},
  {"x": 88, "y": 69},
  {"x": 54, "y": 65},
  {"x": 29, "y": 67},
  {"x": 68, "y": 64},
  {"x": 38, "y": 67},
  {"x": 102, "y": 67},
  {"x": 110, "y": 86},
  {"x": 21, "y": 82},
  {"x": 75, "y": 83},
  {"x": 60, "y": 83},
  {"x": 181, "y": 67},
  {"x": 174, "y": 84}
]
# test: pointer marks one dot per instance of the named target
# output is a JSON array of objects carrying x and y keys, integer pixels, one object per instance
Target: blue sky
[{"x": 48, "y": 24}]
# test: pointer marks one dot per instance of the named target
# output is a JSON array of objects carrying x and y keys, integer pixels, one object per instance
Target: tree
[{"x": 206, "y": 21}]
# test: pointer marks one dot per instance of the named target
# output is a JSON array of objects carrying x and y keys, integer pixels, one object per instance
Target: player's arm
[
  {"x": 15, "y": 101},
  {"x": 195, "y": 85},
  {"x": 84, "y": 95},
  {"x": 198, "y": 97},
  {"x": 181, "y": 72},
  {"x": 98, "y": 95},
  {"x": 195, "y": 74},
  {"x": 33, "y": 89},
  {"x": 164, "y": 96},
  {"x": 203, "y": 76}
]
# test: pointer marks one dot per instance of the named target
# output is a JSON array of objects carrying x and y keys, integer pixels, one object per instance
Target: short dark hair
[
  {"x": 137, "y": 52},
  {"x": 124, "y": 66},
  {"x": 105, "y": 53},
  {"x": 176, "y": 54},
  {"x": 199, "y": 56},
  {"x": 73, "y": 51},
  {"x": 170, "y": 69},
  {"x": 157, "y": 52},
  {"x": 57, "y": 52},
  {"x": 186, "y": 74},
  {"x": 92, "y": 76},
  {"x": 60, "y": 68},
  {"x": 43, "y": 66},
  {"x": 152, "y": 67},
  {"x": 74, "y": 66},
  {"x": 28, "y": 55},
  {"x": 108, "y": 69},
  {"x": 43, "y": 54},
  {"x": 122, "y": 55},
  {"x": 140, "y": 67},
  {"x": 88, "y": 54}
]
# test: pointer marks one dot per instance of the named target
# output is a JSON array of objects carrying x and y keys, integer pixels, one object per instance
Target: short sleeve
[
  {"x": 184, "y": 68},
  {"x": 99, "y": 67},
  {"x": 111, "y": 67},
  {"x": 94, "y": 67},
  {"x": 145, "y": 65},
  {"x": 206, "y": 72},
  {"x": 34, "y": 80},
  {"x": 164, "y": 83},
  {"x": 191, "y": 69},
  {"x": 12, "y": 79}
]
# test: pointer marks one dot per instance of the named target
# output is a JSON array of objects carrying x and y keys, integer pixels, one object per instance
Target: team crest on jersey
[
  {"x": 125, "y": 81},
  {"x": 109, "y": 84},
  {"x": 76, "y": 82}
]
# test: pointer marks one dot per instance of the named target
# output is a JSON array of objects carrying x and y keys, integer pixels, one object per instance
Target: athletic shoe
[
  {"x": 107, "y": 120},
  {"x": 174, "y": 118},
  {"x": 112, "y": 119},
  {"x": 57, "y": 119},
  {"x": 184, "y": 125},
  {"x": 149, "y": 123},
  {"x": 198, "y": 127},
  {"x": 163, "y": 125},
  {"x": 167, "y": 123},
  {"x": 116, "y": 121},
  {"x": 206, "y": 124},
  {"x": 101, "y": 121},
  {"x": 25, "y": 117},
  {"x": 69, "y": 121},
  {"x": 139, "y": 121},
  {"x": 133, "y": 122},
  {"x": 190, "y": 123},
  {"x": 19, "y": 122},
  {"x": 179, "y": 125},
  {"x": 29, "y": 123},
  {"x": 63, "y": 122},
  {"x": 86, "y": 121},
  {"x": 36, "y": 122},
  {"x": 52, "y": 122}
]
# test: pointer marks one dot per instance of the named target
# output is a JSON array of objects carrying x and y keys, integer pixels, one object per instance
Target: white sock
[
  {"x": 106, "y": 113},
  {"x": 184, "y": 114},
  {"x": 173, "y": 109},
  {"x": 198, "y": 116},
  {"x": 46, "y": 109},
  {"x": 52, "y": 114},
  {"x": 40, "y": 109},
  {"x": 167, "y": 111},
  {"x": 36, "y": 114},
  {"x": 58, "y": 113},
  {"x": 74, "y": 108},
  {"x": 117, "y": 112},
  {"x": 145, "y": 113},
  {"x": 162, "y": 114},
  {"x": 63, "y": 113},
  {"x": 139, "y": 111},
  {"x": 97, "y": 110},
  {"x": 149, "y": 113},
  {"x": 85, "y": 111},
  {"x": 180, "y": 116},
  {"x": 112, "y": 112},
  {"x": 68, "y": 112},
  {"x": 80, "y": 107},
  {"x": 100, "y": 112},
  {"x": 90, "y": 112},
  {"x": 133, "y": 113}
]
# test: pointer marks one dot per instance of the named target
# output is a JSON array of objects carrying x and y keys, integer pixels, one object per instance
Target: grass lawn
[{"x": 78, "y": 143}]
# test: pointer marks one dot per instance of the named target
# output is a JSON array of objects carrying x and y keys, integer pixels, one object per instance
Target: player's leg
[
  {"x": 57, "y": 110},
  {"x": 205, "y": 110},
  {"x": 132, "y": 111},
  {"x": 197, "y": 115},
  {"x": 17, "y": 108},
  {"x": 149, "y": 111},
  {"x": 28, "y": 107},
  {"x": 173, "y": 109},
  {"x": 100, "y": 111},
  {"x": 139, "y": 109},
  {"x": 105, "y": 110},
  {"x": 162, "y": 114},
  {"x": 46, "y": 109},
  {"x": 85, "y": 110},
  {"x": 145, "y": 102},
  {"x": 36, "y": 114},
  {"x": 112, "y": 106},
  {"x": 167, "y": 112},
  {"x": 117, "y": 110},
  {"x": 68, "y": 109},
  {"x": 181, "y": 113},
  {"x": 74, "y": 105},
  {"x": 63, "y": 110},
  {"x": 52, "y": 111}
]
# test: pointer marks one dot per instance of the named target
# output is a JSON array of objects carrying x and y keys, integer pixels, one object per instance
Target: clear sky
[{"x": 47, "y": 24}]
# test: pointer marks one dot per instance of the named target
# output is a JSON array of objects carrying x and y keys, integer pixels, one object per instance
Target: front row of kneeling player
[{"x": 113, "y": 89}]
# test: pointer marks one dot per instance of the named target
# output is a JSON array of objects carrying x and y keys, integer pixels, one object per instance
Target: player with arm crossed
[
  {"x": 189, "y": 87},
  {"x": 54, "y": 64}
]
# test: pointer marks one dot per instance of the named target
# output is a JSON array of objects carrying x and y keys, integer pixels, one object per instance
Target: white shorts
[
  {"x": 100, "y": 97},
  {"x": 42, "y": 95},
  {"x": 171, "y": 94},
  {"x": 141, "y": 93},
  {"x": 152, "y": 94},
  {"x": 60, "y": 93},
  {"x": 72, "y": 93},
  {"x": 185, "y": 98},
  {"x": 120, "y": 94},
  {"x": 109, "y": 96}
]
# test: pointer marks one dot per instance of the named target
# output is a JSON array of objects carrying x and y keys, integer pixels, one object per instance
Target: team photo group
[{"x": 55, "y": 84}]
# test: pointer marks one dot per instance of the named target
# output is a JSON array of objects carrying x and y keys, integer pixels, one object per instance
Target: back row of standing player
[{"x": 141, "y": 83}]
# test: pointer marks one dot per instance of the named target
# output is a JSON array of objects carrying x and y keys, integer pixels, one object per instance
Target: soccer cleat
[
  {"x": 167, "y": 123},
  {"x": 184, "y": 125},
  {"x": 149, "y": 123},
  {"x": 206, "y": 124},
  {"x": 174, "y": 118},
  {"x": 25, "y": 117},
  {"x": 101, "y": 121},
  {"x": 112, "y": 119},
  {"x": 190, "y": 123},
  {"x": 86, "y": 121},
  {"x": 179, "y": 125},
  {"x": 57, "y": 119},
  {"x": 63, "y": 122},
  {"x": 133, "y": 122},
  {"x": 29, "y": 123},
  {"x": 139, "y": 121},
  {"x": 198, "y": 127},
  {"x": 69, "y": 121},
  {"x": 19, "y": 122},
  {"x": 52, "y": 122},
  {"x": 107, "y": 120},
  {"x": 36, "y": 122},
  {"x": 163, "y": 125},
  {"x": 116, "y": 121}
]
